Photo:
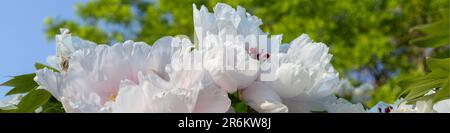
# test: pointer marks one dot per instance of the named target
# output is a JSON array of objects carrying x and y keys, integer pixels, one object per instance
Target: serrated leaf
[
  {"x": 438, "y": 78},
  {"x": 424, "y": 98},
  {"x": 21, "y": 84},
  {"x": 432, "y": 41},
  {"x": 433, "y": 28},
  {"x": 443, "y": 93},
  {"x": 21, "y": 80},
  {"x": 32, "y": 101},
  {"x": 419, "y": 87},
  {"x": 436, "y": 34},
  {"x": 19, "y": 90},
  {"x": 39, "y": 66}
]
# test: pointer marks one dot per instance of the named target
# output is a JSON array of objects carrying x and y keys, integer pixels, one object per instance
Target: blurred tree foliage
[{"x": 368, "y": 38}]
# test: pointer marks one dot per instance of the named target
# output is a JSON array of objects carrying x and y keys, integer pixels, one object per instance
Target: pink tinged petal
[
  {"x": 79, "y": 103},
  {"x": 50, "y": 81},
  {"x": 130, "y": 99},
  {"x": 161, "y": 54},
  {"x": 163, "y": 97},
  {"x": 69, "y": 107},
  {"x": 442, "y": 106},
  {"x": 263, "y": 99},
  {"x": 225, "y": 81},
  {"x": 54, "y": 62},
  {"x": 292, "y": 81},
  {"x": 212, "y": 100},
  {"x": 66, "y": 44}
]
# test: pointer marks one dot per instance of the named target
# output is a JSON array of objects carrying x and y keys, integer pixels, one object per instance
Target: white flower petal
[
  {"x": 129, "y": 99},
  {"x": 263, "y": 99},
  {"x": 212, "y": 100},
  {"x": 442, "y": 106},
  {"x": 344, "y": 106},
  {"x": 50, "y": 81}
]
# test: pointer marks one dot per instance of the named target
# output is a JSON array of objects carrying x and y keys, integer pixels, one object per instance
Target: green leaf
[
  {"x": 439, "y": 65},
  {"x": 436, "y": 34},
  {"x": 420, "y": 86},
  {"x": 39, "y": 66},
  {"x": 6, "y": 111},
  {"x": 19, "y": 80},
  {"x": 438, "y": 78},
  {"x": 19, "y": 90},
  {"x": 443, "y": 93},
  {"x": 53, "y": 106},
  {"x": 424, "y": 98},
  {"x": 33, "y": 100},
  {"x": 21, "y": 84},
  {"x": 240, "y": 107}
]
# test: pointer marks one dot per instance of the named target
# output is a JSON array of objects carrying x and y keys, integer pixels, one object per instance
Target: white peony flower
[
  {"x": 94, "y": 76},
  {"x": 211, "y": 98},
  {"x": 227, "y": 58},
  {"x": 305, "y": 79},
  {"x": 127, "y": 77}
]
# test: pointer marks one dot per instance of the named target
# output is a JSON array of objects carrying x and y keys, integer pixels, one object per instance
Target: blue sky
[{"x": 22, "y": 34}]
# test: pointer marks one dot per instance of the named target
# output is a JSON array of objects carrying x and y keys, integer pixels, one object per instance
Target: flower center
[
  {"x": 112, "y": 97},
  {"x": 261, "y": 56}
]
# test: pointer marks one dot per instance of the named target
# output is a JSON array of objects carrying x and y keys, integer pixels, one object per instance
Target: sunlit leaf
[
  {"x": 52, "y": 106},
  {"x": 443, "y": 93},
  {"x": 21, "y": 84},
  {"x": 438, "y": 79},
  {"x": 436, "y": 34},
  {"x": 33, "y": 100}
]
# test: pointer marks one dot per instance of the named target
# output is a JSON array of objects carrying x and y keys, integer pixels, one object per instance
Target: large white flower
[
  {"x": 228, "y": 56},
  {"x": 305, "y": 79},
  {"x": 127, "y": 77}
]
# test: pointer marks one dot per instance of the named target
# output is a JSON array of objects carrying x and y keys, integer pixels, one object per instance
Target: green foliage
[
  {"x": 238, "y": 104},
  {"x": 21, "y": 84},
  {"x": 114, "y": 11},
  {"x": 387, "y": 93},
  {"x": 437, "y": 34},
  {"x": 52, "y": 106},
  {"x": 33, "y": 98},
  {"x": 438, "y": 78}
]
